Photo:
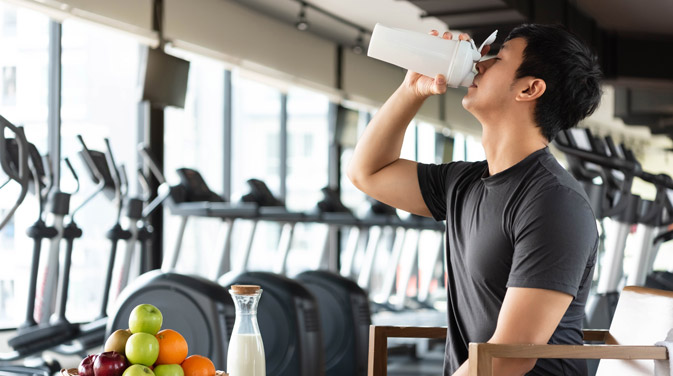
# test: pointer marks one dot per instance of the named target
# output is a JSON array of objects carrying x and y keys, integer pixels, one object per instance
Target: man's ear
[{"x": 533, "y": 90}]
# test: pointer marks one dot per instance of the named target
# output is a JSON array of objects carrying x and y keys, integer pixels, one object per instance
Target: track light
[
  {"x": 359, "y": 46},
  {"x": 302, "y": 24}
]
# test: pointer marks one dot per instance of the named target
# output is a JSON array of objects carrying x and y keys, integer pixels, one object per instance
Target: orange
[
  {"x": 172, "y": 347},
  {"x": 197, "y": 365}
]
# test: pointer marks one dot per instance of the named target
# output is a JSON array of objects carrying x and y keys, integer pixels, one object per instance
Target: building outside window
[
  {"x": 308, "y": 149},
  {"x": 100, "y": 94},
  {"x": 194, "y": 139},
  {"x": 24, "y": 37},
  {"x": 255, "y": 154}
]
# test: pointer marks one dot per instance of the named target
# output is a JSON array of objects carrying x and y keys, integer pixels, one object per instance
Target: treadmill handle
[
  {"x": 154, "y": 167},
  {"x": 625, "y": 166},
  {"x": 89, "y": 160},
  {"x": 663, "y": 238},
  {"x": 23, "y": 175}
]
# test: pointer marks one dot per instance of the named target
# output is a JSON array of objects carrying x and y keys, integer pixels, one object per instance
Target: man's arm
[
  {"x": 376, "y": 167},
  {"x": 527, "y": 316}
]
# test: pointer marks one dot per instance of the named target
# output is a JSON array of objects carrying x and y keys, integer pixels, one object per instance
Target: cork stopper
[{"x": 245, "y": 289}]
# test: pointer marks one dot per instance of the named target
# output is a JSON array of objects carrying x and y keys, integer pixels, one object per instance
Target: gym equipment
[
  {"x": 104, "y": 172},
  {"x": 36, "y": 336},
  {"x": 343, "y": 306},
  {"x": 288, "y": 314},
  {"x": 19, "y": 171},
  {"x": 193, "y": 197},
  {"x": 383, "y": 222},
  {"x": 289, "y": 323},
  {"x": 613, "y": 198},
  {"x": 661, "y": 279},
  {"x": 201, "y": 310},
  {"x": 272, "y": 209}
]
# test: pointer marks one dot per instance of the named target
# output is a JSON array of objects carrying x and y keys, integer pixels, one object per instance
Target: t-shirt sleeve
[
  {"x": 432, "y": 178},
  {"x": 555, "y": 236}
]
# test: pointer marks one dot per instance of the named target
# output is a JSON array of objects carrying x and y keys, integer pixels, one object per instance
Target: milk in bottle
[{"x": 245, "y": 356}]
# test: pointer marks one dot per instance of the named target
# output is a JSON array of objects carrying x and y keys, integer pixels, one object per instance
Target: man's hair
[{"x": 569, "y": 69}]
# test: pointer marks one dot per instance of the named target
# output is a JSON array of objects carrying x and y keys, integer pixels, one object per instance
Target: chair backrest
[{"x": 643, "y": 317}]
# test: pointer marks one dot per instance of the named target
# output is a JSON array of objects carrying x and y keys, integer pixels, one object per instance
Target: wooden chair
[{"x": 643, "y": 317}]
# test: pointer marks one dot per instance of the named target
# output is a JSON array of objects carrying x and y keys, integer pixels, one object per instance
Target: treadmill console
[{"x": 196, "y": 189}]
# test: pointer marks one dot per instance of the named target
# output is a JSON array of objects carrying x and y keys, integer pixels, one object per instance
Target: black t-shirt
[{"x": 528, "y": 226}]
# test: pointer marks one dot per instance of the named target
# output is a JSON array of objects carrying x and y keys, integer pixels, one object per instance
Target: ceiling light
[
  {"x": 302, "y": 24},
  {"x": 359, "y": 46}
]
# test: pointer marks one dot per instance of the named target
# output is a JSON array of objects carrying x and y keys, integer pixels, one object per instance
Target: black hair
[{"x": 570, "y": 71}]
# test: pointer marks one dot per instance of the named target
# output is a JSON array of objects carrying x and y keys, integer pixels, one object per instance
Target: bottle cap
[{"x": 245, "y": 289}]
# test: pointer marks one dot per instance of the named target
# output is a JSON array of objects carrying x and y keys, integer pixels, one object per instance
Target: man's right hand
[
  {"x": 376, "y": 167},
  {"x": 424, "y": 86}
]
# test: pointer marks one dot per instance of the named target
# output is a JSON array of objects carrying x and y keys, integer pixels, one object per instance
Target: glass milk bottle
[{"x": 245, "y": 356}]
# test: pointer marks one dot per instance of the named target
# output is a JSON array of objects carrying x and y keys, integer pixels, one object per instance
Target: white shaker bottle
[{"x": 427, "y": 54}]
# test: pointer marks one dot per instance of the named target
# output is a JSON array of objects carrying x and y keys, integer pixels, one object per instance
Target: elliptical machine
[
  {"x": 201, "y": 310},
  {"x": 18, "y": 172}
]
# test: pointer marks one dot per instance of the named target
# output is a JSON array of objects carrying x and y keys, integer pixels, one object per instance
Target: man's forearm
[{"x": 381, "y": 143}]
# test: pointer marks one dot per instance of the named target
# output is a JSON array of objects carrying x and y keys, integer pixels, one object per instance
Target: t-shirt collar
[{"x": 503, "y": 175}]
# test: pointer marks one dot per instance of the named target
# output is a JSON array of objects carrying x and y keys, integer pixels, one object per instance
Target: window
[
  {"x": 255, "y": 154},
  {"x": 194, "y": 139},
  {"x": 475, "y": 151},
  {"x": 9, "y": 20},
  {"x": 427, "y": 152},
  {"x": 308, "y": 150},
  {"x": 8, "y": 86},
  {"x": 24, "y": 37},
  {"x": 255, "y": 134},
  {"x": 352, "y": 197},
  {"x": 99, "y": 100}
]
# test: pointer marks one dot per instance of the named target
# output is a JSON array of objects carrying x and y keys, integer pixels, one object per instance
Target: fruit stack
[{"x": 145, "y": 350}]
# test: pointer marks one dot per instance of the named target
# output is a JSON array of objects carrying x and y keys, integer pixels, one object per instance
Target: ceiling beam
[{"x": 465, "y": 12}]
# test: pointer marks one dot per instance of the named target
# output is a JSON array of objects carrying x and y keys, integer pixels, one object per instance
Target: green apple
[
  {"x": 145, "y": 318},
  {"x": 117, "y": 341},
  {"x": 169, "y": 370},
  {"x": 142, "y": 348},
  {"x": 138, "y": 370}
]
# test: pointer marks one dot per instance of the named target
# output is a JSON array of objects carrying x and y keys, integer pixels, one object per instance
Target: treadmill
[
  {"x": 200, "y": 309},
  {"x": 288, "y": 313},
  {"x": 343, "y": 305},
  {"x": 612, "y": 199}
]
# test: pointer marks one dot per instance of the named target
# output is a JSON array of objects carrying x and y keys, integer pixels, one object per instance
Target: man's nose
[{"x": 482, "y": 66}]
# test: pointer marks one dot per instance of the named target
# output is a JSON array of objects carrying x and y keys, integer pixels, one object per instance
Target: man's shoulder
[
  {"x": 453, "y": 171},
  {"x": 549, "y": 178}
]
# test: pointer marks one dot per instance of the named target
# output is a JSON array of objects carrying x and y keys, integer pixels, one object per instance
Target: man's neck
[{"x": 506, "y": 145}]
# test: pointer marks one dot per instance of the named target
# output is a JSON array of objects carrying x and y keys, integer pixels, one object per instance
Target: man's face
[{"x": 494, "y": 86}]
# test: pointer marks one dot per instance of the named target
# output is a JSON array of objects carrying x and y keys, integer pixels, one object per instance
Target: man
[{"x": 521, "y": 236}]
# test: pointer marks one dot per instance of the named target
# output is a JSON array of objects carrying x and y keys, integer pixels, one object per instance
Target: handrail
[{"x": 22, "y": 176}]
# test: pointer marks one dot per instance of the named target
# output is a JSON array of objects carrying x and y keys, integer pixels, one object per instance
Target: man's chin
[{"x": 466, "y": 102}]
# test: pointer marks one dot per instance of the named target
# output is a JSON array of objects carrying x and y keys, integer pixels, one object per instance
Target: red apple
[
  {"x": 110, "y": 363},
  {"x": 86, "y": 366}
]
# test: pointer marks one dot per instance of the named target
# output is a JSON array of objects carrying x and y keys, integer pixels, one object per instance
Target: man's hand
[{"x": 424, "y": 86}]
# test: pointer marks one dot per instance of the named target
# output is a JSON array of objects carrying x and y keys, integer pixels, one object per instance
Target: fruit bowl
[{"x": 73, "y": 372}]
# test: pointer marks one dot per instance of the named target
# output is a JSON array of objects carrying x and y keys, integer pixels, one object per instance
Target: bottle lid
[{"x": 245, "y": 289}]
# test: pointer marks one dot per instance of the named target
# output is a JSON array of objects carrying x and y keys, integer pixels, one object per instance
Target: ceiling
[{"x": 633, "y": 39}]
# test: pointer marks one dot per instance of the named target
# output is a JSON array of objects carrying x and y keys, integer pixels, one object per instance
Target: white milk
[{"x": 245, "y": 356}]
